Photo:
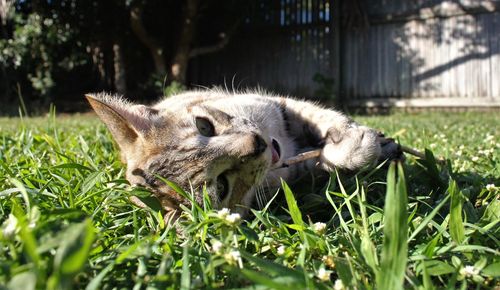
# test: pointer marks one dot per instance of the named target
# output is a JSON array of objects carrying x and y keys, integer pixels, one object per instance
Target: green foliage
[
  {"x": 56, "y": 51},
  {"x": 33, "y": 50},
  {"x": 326, "y": 89},
  {"x": 173, "y": 88},
  {"x": 67, "y": 222},
  {"x": 159, "y": 84}
]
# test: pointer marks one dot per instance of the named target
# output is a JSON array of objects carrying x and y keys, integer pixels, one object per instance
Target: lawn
[{"x": 67, "y": 223}]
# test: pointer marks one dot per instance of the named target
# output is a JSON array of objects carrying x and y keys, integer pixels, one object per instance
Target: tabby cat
[{"x": 235, "y": 144}]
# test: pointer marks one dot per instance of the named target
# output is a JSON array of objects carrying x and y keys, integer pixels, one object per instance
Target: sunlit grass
[{"x": 67, "y": 221}]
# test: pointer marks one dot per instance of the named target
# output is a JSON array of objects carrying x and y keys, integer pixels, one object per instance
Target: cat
[{"x": 234, "y": 144}]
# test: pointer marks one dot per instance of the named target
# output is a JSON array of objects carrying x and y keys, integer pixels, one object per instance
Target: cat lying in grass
[{"x": 235, "y": 144}]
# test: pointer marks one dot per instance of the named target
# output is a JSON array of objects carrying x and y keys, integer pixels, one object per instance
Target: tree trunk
[
  {"x": 154, "y": 47},
  {"x": 5, "y": 6},
  {"x": 120, "y": 81},
  {"x": 178, "y": 68},
  {"x": 98, "y": 60}
]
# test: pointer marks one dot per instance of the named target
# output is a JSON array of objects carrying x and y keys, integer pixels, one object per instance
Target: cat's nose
[{"x": 259, "y": 144}]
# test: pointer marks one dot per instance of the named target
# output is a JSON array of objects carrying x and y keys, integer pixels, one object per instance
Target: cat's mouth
[{"x": 276, "y": 151}]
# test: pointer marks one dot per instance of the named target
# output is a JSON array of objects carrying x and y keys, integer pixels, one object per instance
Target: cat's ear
[{"x": 125, "y": 121}]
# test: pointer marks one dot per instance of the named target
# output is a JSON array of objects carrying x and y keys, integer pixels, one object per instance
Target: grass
[{"x": 67, "y": 223}]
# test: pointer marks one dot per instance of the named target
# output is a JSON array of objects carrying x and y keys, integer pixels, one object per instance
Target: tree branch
[
  {"x": 210, "y": 48},
  {"x": 224, "y": 40},
  {"x": 154, "y": 47}
]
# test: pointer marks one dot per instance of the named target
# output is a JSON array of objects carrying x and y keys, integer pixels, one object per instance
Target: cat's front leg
[{"x": 346, "y": 145}]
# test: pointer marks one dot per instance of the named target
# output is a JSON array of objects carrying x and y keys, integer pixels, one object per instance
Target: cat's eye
[
  {"x": 205, "y": 127},
  {"x": 222, "y": 187}
]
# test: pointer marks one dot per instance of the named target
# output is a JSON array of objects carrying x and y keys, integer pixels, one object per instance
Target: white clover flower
[
  {"x": 489, "y": 137},
  {"x": 234, "y": 258},
  {"x": 10, "y": 227},
  {"x": 281, "y": 250},
  {"x": 319, "y": 227},
  {"x": 217, "y": 246},
  {"x": 462, "y": 147},
  {"x": 338, "y": 285},
  {"x": 233, "y": 218},
  {"x": 490, "y": 187},
  {"x": 432, "y": 145},
  {"x": 469, "y": 271},
  {"x": 323, "y": 274},
  {"x": 223, "y": 213},
  {"x": 475, "y": 158}
]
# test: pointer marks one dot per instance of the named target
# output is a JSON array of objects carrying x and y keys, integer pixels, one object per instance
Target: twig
[
  {"x": 302, "y": 157},
  {"x": 317, "y": 152},
  {"x": 412, "y": 152},
  {"x": 419, "y": 154}
]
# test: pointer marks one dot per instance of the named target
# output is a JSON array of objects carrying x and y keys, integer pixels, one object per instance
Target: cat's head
[{"x": 194, "y": 145}]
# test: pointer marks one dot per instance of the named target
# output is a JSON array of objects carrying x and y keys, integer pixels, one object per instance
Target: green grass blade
[
  {"x": 427, "y": 282},
  {"x": 96, "y": 281},
  {"x": 22, "y": 281},
  {"x": 28, "y": 239},
  {"x": 24, "y": 193},
  {"x": 395, "y": 246},
  {"x": 181, "y": 192},
  {"x": 428, "y": 218},
  {"x": 186, "y": 274},
  {"x": 367, "y": 247},
  {"x": 292, "y": 204},
  {"x": 262, "y": 279},
  {"x": 91, "y": 180},
  {"x": 271, "y": 267},
  {"x": 457, "y": 230},
  {"x": 492, "y": 270},
  {"x": 77, "y": 247}
]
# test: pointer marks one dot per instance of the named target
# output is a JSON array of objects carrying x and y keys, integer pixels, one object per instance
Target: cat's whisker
[
  {"x": 262, "y": 197},
  {"x": 232, "y": 82},
  {"x": 266, "y": 195},
  {"x": 259, "y": 195}
]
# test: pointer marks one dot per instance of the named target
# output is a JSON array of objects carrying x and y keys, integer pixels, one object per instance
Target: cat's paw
[
  {"x": 351, "y": 148},
  {"x": 390, "y": 149}
]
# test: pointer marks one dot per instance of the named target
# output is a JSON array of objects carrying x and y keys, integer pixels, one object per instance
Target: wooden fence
[
  {"x": 436, "y": 53},
  {"x": 282, "y": 45},
  {"x": 401, "y": 53}
]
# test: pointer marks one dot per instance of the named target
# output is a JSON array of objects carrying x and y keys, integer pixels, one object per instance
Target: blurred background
[{"x": 357, "y": 53}]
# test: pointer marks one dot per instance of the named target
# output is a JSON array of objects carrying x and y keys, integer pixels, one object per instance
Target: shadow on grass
[{"x": 427, "y": 184}]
